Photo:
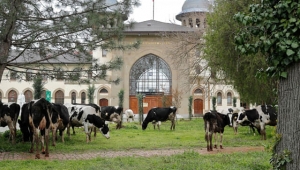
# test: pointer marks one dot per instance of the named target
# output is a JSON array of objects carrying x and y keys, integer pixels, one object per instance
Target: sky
[{"x": 164, "y": 11}]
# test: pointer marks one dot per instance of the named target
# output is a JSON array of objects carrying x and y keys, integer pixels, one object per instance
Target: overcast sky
[{"x": 164, "y": 11}]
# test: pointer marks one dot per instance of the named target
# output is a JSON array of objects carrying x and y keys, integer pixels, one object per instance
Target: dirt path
[{"x": 143, "y": 153}]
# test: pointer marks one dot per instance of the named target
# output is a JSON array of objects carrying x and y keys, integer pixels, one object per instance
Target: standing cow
[
  {"x": 259, "y": 117},
  {"x": 157, "y": 115},
  {"x": 113, "y": 114},
  {"x": 9, "y": 114},
  {"x": 89, "y": 119},
  {"x": 129, "y": 114},
  {"x": 214, "y": 122}
]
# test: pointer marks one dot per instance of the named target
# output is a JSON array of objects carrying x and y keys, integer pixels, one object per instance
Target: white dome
[{"x": 195, "y": 6}]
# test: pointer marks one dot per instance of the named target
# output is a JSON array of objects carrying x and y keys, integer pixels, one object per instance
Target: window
[
  {"x": 59, "y": 74},
  {"x": 198, "y": 91},
  {"x": 59, "y": 97},
  {"x": 219, "y": 98},
  {"x": 83, "y": 97},
  {"x": 103, "y": 91},
  {"x": 28, "y": 96},
  {"x": 198, "y": 23},
  {"x": 13, "y": 76},
  {"x": 73, "y": 96},
  {"x": 229, "y": 99},
  {"x": 104, "y": 53},
  {"x": 12, "y": 96},
  {"x": 191, "y": 22}
]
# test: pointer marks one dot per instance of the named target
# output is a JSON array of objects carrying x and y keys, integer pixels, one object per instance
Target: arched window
[
  {"x": 198, "y": 91},
  {"x": 12, "y": 96},
  {"x": 59, "y": 97},
  {"x": 103, "y": 91},
  {"x": 28, "y": 96},
  {"x": 191, "y": 22},
  {"x": 150, "y": 75},
  {"x": 73, "y": 96},
  {"x": 83, "y": 97},
  {"x": 229, "y": 99},
  {"x": 219, "y": 98},
  {"x": 198, "y": 23}
]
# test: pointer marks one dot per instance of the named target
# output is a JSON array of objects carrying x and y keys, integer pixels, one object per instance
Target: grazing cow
[
  {"x": 259, "y": 117},
  {"x": 89, "y": 119},
  {"x": 9, "y": 114},
  {"x": 214, "y": 122},
  {"x": 157, "y": 115},
  {"x": 129, "y": 114},
  {"x": 36, "y": 119},
  {"x": 60, "y": 120},
  {"x": 113, "y": 114}
]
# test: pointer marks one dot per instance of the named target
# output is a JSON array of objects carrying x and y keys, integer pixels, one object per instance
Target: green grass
[{"x": 188, "y": 135}]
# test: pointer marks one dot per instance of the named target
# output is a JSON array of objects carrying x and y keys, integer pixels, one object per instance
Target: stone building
[{"x": 148, "y": 70}]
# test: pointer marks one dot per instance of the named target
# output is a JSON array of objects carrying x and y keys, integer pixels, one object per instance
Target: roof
[
  {"x": 152, "y": 26},
  {"x": 30, "y": 56}
]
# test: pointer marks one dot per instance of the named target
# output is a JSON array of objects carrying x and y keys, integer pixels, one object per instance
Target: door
[
  {"x": 198, "y": 107},
  {"x": 103, "y": 102}
]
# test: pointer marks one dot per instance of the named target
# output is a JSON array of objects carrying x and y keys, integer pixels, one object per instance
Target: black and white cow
[
  {"x": 60, "y": 121},
  {"x": 113, "y": 114},
  {"x": 129, "y": 114},
  {"x": 87, "y": 117},
  {"x": 160, "y": 114},
  {"x": 36, "y": 120},
  {"x": 259, "y": 117},
  {"x": 214, "y": 122},
  {"x": 9, "y": 114}
]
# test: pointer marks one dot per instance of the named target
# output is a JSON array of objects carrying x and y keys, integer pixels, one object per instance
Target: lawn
[{"x": 188, "y": 135}]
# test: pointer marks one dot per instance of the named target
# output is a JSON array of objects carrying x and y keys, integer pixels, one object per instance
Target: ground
[{"x": 143, "y": 153}]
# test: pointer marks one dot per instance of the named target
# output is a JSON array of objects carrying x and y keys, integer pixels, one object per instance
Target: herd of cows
[{"x": 38, "y": 118}]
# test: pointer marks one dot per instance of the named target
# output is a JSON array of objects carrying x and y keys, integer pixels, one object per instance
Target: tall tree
[
  {"x": 221, "y": 55},
  {"x": 272, "y": 28},
  {"x": 36, "y": 31}
]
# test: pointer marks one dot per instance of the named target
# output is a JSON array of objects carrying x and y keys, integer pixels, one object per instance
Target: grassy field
[{"x": 188, "y": 135}]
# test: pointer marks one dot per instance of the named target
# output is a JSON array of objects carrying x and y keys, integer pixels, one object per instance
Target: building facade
[{"x": 148, "y": 71}]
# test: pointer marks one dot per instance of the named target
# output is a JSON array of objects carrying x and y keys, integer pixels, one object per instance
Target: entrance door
[
  {"x": 198, "y": 107},
  {"x": 103, "y": 102}
]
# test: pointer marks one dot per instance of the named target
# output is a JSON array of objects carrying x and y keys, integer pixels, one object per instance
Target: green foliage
[
  {"x": 37, "y": 86},
  {"x": 279, "y": 161},
  {"x": 271, "y": 28},
  {"x": 221, "y": 54},
  {"x": 90, "y": 93},
  {"x": 214, "y": 102},
  {"x": 121, "y": 97},
  {"x": 190, "y": 107}
]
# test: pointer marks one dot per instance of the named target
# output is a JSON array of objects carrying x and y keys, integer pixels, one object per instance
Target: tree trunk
[{"x": 288, "y": 126}]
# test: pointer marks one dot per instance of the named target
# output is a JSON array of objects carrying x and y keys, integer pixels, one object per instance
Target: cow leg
[
  {"x": 11, "y": 132},
  {"x": 210, "y": 141},
  {"x": 73, "y": 130},
  {"x": 221, "y": 140},
  {"x": 37, "y": 141},
  {"x": 95, "y": 131},
  {"x": 216, "y": 139},
  {"x": 207, "y": 140},
  {"x": 46, "y": 136},
  {"x": 54, "y": 137}
]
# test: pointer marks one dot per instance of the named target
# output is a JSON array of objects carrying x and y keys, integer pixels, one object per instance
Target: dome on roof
[{"x": 195, "y": 6}]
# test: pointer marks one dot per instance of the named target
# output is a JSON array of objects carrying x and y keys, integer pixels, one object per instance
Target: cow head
[
  {"x": 105, "y": 131},
  {"x": 241, "y": 118},
  {"x": 144, "y": 125}
]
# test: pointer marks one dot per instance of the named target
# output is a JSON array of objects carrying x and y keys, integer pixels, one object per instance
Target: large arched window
[
  {"x": 28, "y": 96},
  {"x": 198, "y": 92},
  {"x": 103, "y": 91},
  {"x": 219, "y": 98},
  {"x": 59, "y": 97},
  {"x": 12, "y": 96},
  {"x": 150, "y": 75},
  {"x": 73, "y": 96},
  {"x": 229, "y": 99}
]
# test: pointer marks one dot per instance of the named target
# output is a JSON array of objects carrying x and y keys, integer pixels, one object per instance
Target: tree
[
  {"x": 91, "y": 90},
  {"x": 37, "y": 31},
  {"x": 221, "y": 54},
  {"x": 38, "y": 86},
  {"x": 272, "y": 28}
]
